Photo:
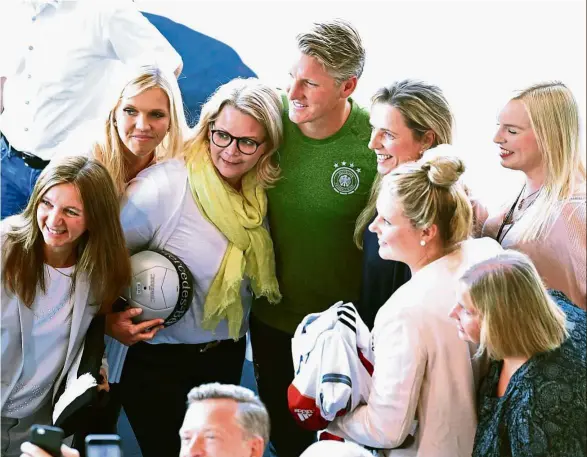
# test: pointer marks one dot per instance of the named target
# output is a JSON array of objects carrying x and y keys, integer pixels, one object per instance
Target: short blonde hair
[
  {"x": 110, "y": 151},
  {"x": 254, "y": 99},
  {"x": 517, "y": 316},
  {"x": 430, "y": 193},
  {"x": 337, "y": 46},
  {"x": 252, "y": 414},
  {"x": 554, "y": 117}
]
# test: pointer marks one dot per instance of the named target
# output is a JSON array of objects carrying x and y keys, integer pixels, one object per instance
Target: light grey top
[{"x": 46, "y": 354}]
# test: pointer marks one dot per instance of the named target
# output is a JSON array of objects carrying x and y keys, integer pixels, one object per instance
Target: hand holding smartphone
[
  {"x": 103, "y": 446},
  {"x": 47, "y": 438}
]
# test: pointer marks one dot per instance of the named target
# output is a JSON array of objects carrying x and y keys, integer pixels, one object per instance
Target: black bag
[{"x": 80, "y": 410}]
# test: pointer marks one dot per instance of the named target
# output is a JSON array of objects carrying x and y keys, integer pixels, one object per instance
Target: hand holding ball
[{"x": 161, "y": 285}]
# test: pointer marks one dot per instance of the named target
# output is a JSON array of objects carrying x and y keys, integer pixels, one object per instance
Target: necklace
[
  {"x": 523, "y": 200},
  {"x": 58, "y": 271},
  {"x": 509, "y": 219}
]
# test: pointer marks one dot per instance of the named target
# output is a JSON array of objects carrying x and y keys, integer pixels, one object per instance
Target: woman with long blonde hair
[
  {"x": 64, "y": 260},
  {"x": 533, "y": 401},
  {"x": 145, "y": 125},
  {"x": 538, "y": 134}
]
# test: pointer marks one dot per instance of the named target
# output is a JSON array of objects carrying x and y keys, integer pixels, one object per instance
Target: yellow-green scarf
[{"x": 239, "y": 216}]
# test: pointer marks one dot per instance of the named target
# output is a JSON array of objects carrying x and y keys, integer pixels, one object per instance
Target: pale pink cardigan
[{"x": 559, "y": 255}]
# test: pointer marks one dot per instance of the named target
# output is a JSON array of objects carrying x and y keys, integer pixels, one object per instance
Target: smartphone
[
  {"x": 103, "y": 446},
  {"x": 47, "y": 438}
]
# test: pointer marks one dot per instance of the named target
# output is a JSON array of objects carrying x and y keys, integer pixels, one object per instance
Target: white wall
[{"x": 478, "y": 52}]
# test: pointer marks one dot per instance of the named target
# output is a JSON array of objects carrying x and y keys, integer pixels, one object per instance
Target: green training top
[{"x": 312, "y": 213}]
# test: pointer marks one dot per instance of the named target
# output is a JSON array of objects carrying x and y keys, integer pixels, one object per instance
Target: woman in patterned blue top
[{"x": 533, "y": 400}]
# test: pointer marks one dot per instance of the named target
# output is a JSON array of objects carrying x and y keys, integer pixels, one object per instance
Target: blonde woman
[
  {"x": 63, "y": 260},
  {"x": 209, "y": 212},
  {"x": 538, "y": 134},
  {"x": 533, "y": 401},
  {"x": 146, "y": 124},
  {"x": 407, "y": 118},
  {"x": 425, "y": 378}
]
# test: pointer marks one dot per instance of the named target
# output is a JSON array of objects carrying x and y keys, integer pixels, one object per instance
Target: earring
[{"x": 422, "y": 243}]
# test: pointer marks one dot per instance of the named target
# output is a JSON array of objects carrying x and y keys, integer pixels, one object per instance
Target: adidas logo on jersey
[{"x": 304, "y": 414}]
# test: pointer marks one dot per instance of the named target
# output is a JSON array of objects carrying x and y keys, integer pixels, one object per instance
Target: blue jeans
[{"x": 17, "y": 181}]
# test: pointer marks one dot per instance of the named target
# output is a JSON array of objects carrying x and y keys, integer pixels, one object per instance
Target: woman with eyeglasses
[{"x": 209, "y": 211}]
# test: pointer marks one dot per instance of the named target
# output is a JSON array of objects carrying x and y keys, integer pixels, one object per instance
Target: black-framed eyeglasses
[{"x": 245, "y": 145}]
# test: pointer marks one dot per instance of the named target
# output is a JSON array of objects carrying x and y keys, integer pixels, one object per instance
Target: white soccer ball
[{"x": 161, "y": 286}]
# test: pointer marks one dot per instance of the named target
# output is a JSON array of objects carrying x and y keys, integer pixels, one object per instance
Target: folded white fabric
[
  {"x": 333, "y": 364},
  {"x": 74, "y": 391}
]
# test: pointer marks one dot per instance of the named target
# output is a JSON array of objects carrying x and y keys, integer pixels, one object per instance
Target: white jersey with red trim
[{"x": 333, "y": 364}]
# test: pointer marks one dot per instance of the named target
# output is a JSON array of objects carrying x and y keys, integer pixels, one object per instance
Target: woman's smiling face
[
  {"x": 232, "y": 164},
  {"x": 61, "y": 218},
  {"x": 516, "y": 139},
  {"x": 391, "y": 139}
]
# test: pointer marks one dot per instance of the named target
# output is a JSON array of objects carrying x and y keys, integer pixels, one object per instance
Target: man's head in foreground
[{"x": 224, "y": 421}]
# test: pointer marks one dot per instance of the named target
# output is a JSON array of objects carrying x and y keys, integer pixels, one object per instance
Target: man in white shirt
[{"x": 58, "y": 69}]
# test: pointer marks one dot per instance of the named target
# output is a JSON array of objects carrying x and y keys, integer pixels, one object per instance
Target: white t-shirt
[
  {"x": 47, "y": 350},
  {"x": 187, "y": 234},
  {"x": 63, "y": 61}
]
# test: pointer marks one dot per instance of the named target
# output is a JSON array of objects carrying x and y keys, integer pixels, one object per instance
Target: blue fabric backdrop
[{"x": 207, "y": 63}]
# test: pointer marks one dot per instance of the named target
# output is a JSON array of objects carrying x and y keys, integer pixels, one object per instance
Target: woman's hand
[
  {"x": 30, "y": 450},
  {"x": 121, "y": 327}
]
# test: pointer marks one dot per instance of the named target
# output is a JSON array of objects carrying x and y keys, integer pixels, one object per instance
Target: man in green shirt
[{"x": 327, "y": 172}]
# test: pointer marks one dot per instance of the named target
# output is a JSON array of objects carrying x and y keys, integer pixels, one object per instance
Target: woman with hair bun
[
  {"x": 533, "y": 401},
  {"x": 425, "y": 377},
  {"x": 538, "y": 135}
]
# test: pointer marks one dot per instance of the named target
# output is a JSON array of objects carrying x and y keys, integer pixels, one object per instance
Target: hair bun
[{"x": 442, "y": 170}]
